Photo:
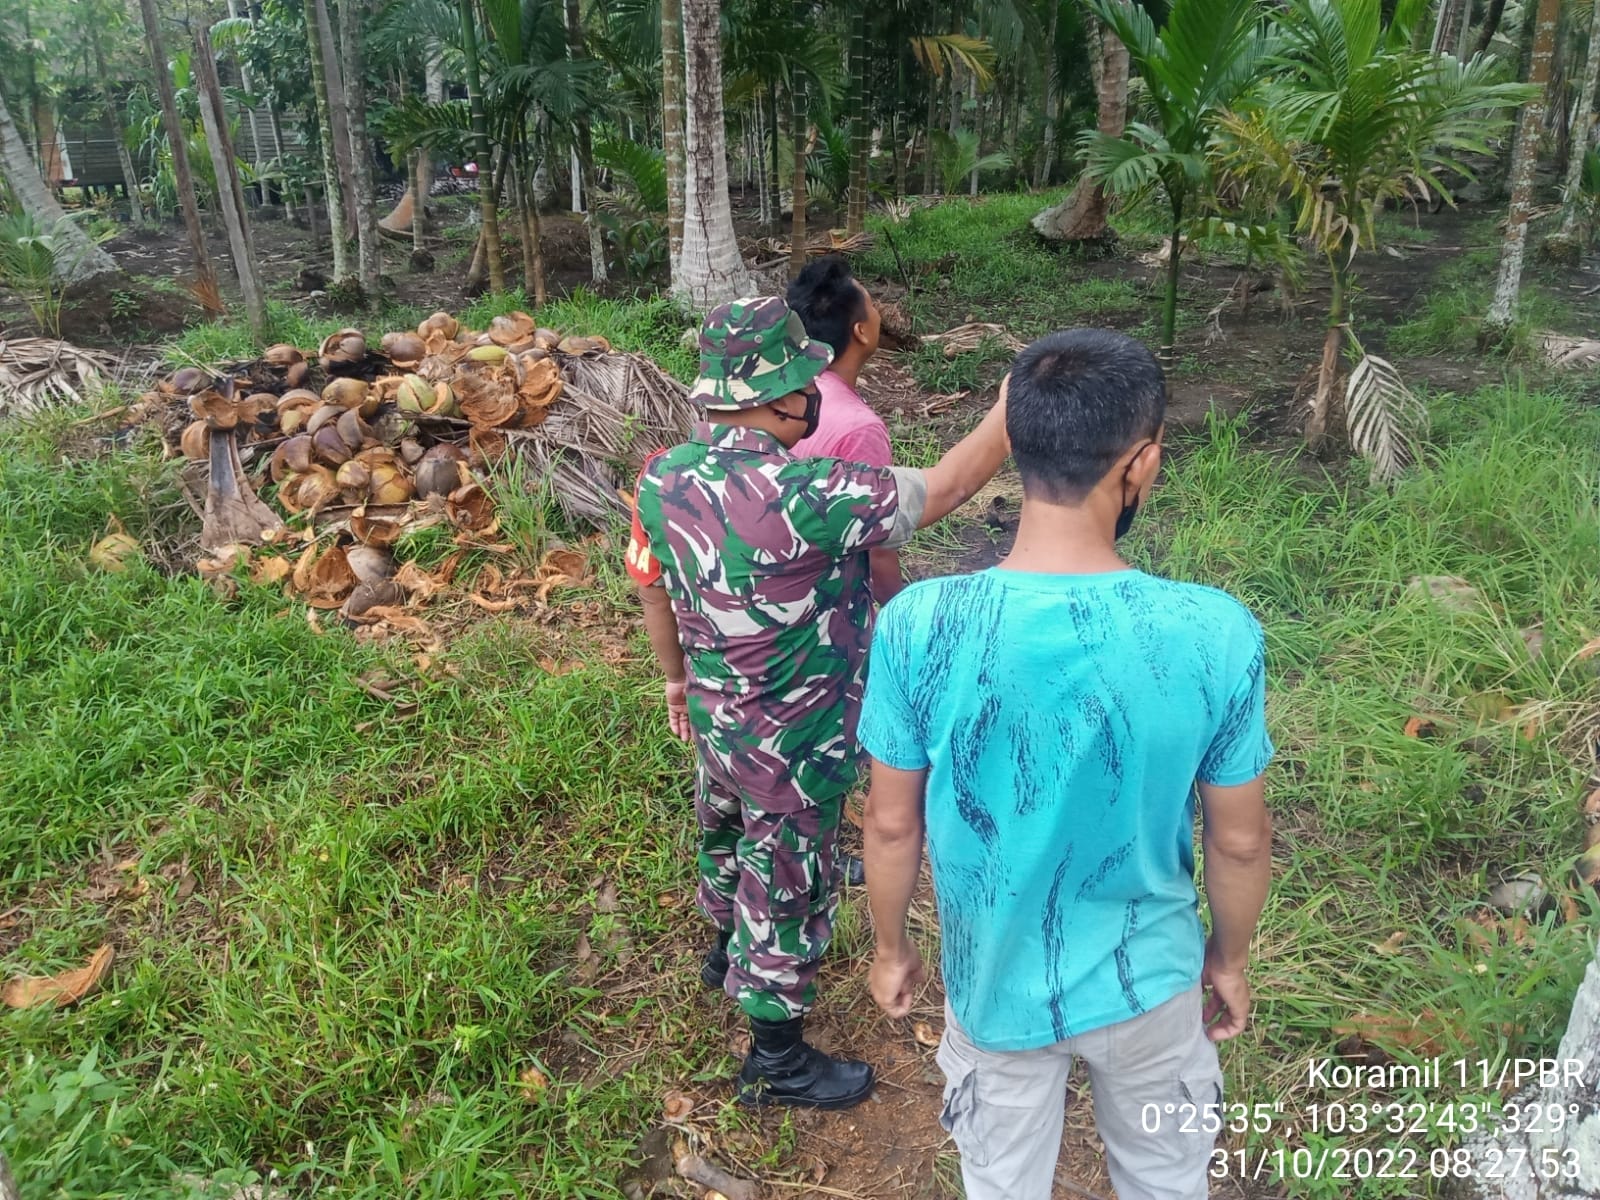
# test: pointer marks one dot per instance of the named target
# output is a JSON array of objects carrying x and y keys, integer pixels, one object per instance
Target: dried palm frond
[
  {"x": 614, "y": 410},
  {"x": 968, "y": 337},
  {"x": 828, "y": 241},
  {"x": 38, "y": 373},
  {"x": 1385, "y": 416},
  {"x": 1564, "y": 351}
]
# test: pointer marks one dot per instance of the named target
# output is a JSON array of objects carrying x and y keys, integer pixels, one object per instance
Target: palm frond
[
  {"x": 1384, "y": 416},
  {"x": 642, "y": 168},
  {"x": 414, "y": 122},
  {"x": 940, "y": 52}
]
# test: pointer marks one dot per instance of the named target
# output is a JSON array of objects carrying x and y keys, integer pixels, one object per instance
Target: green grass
[
  {"x": 1380, "y": 832},
  {"x": 384, "y": 927},
  {"x": 1450, "y": 314}
]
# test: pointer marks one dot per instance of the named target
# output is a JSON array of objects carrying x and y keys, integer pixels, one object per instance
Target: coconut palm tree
[
  {"x": 1524, "y": 162},
  {"x": 1354, "y": 117},
  {"x": 1206, "y": 57},
  {"x": 711, "y": 268},
  {"x": 76, "y": 257},
  {"x": 1081, "y": 217}
]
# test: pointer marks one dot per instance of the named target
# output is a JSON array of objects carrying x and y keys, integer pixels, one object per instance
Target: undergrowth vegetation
[{"x": 449, "y": 955}]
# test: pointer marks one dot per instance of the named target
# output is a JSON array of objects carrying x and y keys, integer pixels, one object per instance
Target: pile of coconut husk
[{"x": 344, "y": 451}]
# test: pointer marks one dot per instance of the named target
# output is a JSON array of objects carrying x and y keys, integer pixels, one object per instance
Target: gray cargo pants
[{"x": 1157, "y": 1090}]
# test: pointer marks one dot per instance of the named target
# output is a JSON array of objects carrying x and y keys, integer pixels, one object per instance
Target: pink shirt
[{"x": 847, "y": 429}]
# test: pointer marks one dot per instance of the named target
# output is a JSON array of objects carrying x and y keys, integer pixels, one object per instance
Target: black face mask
[
  {"x": 813, "y": 413},
  {"x": 1125, "y": 518},
  {"x": 1131, "y": 508}
]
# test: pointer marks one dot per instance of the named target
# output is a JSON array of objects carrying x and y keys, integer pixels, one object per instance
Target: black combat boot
[
  {"x": 715, "y": 968},
  {"x": 783, "y": 1069}
]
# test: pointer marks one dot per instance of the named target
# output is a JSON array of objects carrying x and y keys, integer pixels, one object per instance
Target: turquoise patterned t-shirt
[{"x": 1063, "y": 721}]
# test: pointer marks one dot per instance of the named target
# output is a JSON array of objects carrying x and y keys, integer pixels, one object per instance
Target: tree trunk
[
  {"x": 338, "y": 109},
  {"x": 422, "y": 187},
  {"x": 205, "y": 278},
  {"x": 897, "y": 142},
  {"x": 597, "y": 247},
  {"x": 488, "y": 193},
  {"x": 797, "y": 221},
  {"x": 1169, "y": 303},
  {"x": 8, "y": 1183},
  {"x": 1082, "y": 215},
  {"x": 860, "y": 132},
  {"x": 113, "y": 119},
  {"x": 1497, "y": 323},
  {"x": 528, "y": 213},
  {"x": 255, "y": 121},
  {"x": 672, "y": 128},
  {"x": 759, "y": 156},
  {"x": 1572, "y": 1089},
  {"x": 77, "y": 257},
  {"x": 1328, "y": 369},
  {"x": 977, "y": 123},
  {"x": 927, "y": 142},
  {"x": 713, "y": 270},
  {"x": 774, "y": 154},
  {"x": 230, "y": 196},
  {"x": 1047, "y": 151},
  {"x": 369, "y": 240},
  {"x": 1453, "y": 14},
  {"x": 332, "y": 181},
  {"x": 1582, "y": 137},
  {"x": 1491, "y": 25}
]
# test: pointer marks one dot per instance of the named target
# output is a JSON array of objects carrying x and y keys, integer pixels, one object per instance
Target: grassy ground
[{"x": 448, "y": 955}]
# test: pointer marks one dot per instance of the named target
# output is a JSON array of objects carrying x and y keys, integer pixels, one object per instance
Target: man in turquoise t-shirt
[{"x": 1047, "y": 724}]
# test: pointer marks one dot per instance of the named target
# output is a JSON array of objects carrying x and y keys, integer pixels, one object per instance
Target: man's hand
[
  {"x": 1227, "y": 1009},
  {"x": 896, "y": 978},
  {"x": 678, "y": 708}
]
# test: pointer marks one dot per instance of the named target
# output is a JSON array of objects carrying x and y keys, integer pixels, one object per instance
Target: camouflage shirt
[{"x": 762, "y": 555}]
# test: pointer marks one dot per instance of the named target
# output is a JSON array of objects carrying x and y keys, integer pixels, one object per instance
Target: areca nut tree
[
  {"x": 1206, "y": 56},
  {"x": 711, "y": 269},
  {"x": 1353, "y": 117}
]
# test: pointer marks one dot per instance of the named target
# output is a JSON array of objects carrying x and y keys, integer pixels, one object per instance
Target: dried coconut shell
[
  {"x": 473, "y": 509},
  {"x": 215, "y": 409},
  {"x": 485, "y": 402},
  {"x": 441, "y": 471},
  {"x": 331, "y": 579},
  {"x": 292, "y": 457},
  {"x": 380, "y": 593},
  {"x": 196, "y": 441},
  {"x": 375, "y": 531},
  {"x": 511, "y": 328},
  {"x": 370, "y": 563},
  {"x": 403, "y": 349}
]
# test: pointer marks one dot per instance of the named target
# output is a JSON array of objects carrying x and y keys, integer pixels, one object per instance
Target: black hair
[
  {"x": 829, "y": 301},
  {"x": 1079, "y": 400}
]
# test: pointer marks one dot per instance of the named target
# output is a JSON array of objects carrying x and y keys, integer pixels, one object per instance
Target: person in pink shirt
[{"x": 837, "y": 310}]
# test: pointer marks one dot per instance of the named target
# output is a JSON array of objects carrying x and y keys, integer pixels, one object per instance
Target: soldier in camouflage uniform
[{"x": 752, "y": 567}]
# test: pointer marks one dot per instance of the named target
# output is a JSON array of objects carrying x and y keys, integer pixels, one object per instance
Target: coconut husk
[{"x": 614, "y": 409}]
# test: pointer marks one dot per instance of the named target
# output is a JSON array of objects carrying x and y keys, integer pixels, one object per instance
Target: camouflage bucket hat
[{"x": 755, "y": 351}]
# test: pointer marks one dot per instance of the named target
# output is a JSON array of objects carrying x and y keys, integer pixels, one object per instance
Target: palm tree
[
  {"x": 1566, "y": 246},
  {"x": 76, "y": 258},
  {"x": 1203, "y": 60},
  {"x": 1524, "y": 160},
  {"x": 712, "y": 269},
  {"x": 1081, "y": 217},
  {"x": 1354, "y": 118}
]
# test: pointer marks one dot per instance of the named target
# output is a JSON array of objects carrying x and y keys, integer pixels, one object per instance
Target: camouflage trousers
[{"x": 770, "y": 877}]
